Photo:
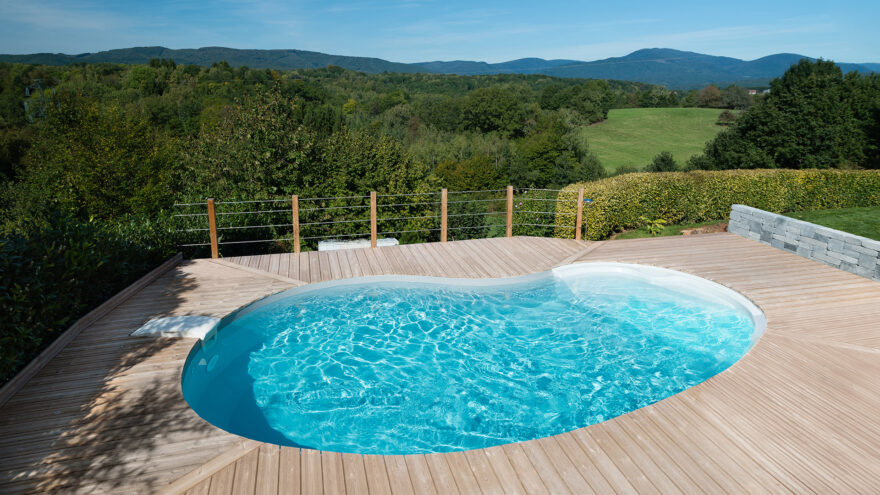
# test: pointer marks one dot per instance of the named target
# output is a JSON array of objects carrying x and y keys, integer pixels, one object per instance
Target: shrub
[
  {"x": 664, "y": 162},
  {"x": 701, "y": 196},
  {"x": 53, "y": 273}
]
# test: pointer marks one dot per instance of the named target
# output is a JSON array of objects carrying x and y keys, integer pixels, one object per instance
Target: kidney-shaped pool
[{"x": 403, "y": 365}]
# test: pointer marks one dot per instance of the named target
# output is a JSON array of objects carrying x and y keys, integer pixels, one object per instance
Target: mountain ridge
[{"x": 675, "y": 69}]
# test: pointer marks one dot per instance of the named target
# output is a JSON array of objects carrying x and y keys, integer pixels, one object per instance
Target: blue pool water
[{"x": 401, "y": 367}]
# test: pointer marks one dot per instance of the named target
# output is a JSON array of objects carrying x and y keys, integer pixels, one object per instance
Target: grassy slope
[
  {"x": 633, "y": 136},
  {"x": 860, "y": 221}
]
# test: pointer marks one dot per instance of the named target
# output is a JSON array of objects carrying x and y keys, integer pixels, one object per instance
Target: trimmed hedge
[{"x": 702, "y": 196}]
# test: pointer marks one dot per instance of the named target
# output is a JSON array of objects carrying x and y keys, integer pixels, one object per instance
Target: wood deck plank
[
  {"x": 289, "y": 466},
  {"x": 398, "y": 475},
  {"x": 332, "y": 473},
  {"x": 377, "y": 475},
  {"x": 268, "y": 469},
  {"x": 311, "y": 473},
  {"x": 355, "y": 474}
]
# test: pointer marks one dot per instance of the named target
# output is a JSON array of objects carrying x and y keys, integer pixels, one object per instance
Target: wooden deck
[{"x": 799, "y": 413}]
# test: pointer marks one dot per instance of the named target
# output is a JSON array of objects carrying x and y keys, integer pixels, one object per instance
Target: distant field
[{"x": 633, "y": 136}]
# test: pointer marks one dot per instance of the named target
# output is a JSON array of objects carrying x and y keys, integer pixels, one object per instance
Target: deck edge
[{"x": 32, "y": 368}]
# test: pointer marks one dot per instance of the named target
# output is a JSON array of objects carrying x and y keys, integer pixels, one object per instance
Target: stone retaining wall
[{"x": 842, "y": 250}]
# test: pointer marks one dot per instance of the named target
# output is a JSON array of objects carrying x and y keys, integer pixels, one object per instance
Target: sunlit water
[{"x": 409, "y": 367}]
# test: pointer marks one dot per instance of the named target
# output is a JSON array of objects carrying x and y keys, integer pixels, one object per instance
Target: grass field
[
  {"x": 668, "y": 230},
  {"x": 859, "y": 221},
  {"x": 633, "y": 136}
]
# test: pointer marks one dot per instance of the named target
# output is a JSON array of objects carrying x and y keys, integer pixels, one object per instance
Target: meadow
[{"x": 633, "y": 136}]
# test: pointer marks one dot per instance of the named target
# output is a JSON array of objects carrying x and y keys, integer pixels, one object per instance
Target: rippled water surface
[{"x": 394, "y": 367}]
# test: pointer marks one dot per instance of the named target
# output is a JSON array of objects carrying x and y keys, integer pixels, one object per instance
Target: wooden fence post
[
  {"x": 580, "y": 215},
  {"x": 509, "y": 211},
  {"x": 212, "y": 226},
  {"x": 294, "y": 200},
  {"x": 443, "y": 211},
  {"x": 373, "y": 228}
]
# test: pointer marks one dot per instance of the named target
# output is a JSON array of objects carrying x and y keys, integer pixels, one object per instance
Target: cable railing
[{"x": 415, "y": 217}]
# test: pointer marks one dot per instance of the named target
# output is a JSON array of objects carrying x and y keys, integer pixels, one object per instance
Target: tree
[
  {"x": 726, "y": 118},
  {"x": 475, "y": 174},
  {"x": 259, "y": 149},
  {"x": 90, "y": 160},
  {"x": 496, "y": 109},
  {"x": 814, "y": 117},
  {"x": 663, "y": 162},
  {"x": 710, "y": 96},
  {"x": 736, "y": 98}
]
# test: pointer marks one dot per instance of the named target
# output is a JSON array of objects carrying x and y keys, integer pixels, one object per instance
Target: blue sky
[{"x": 423, "y": 30}]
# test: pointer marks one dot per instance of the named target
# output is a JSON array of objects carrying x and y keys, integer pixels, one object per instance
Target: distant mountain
[
  {"x": 674, "y": 69},
  {"x": 519, "y": 66},
  {"x": 663, "y": 66},
  {"x": 258, "y": 59}
]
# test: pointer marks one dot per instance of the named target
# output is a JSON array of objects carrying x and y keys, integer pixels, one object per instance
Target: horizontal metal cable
[
  {"x": 334, "y": 208},
  {"x": 191, "y": 245},
  {"x": 410, "y": 204},
  {"x": 191, "y": 215},
  {"x": 545, "y": 199},
  {"x": 478, "y": 214},
  {"x": 334, "y": 221},
  {"x": 334, "y": 236},
  {"x": 334, "y": 197},
  {"x": 408, "y": 194},
  {"x": 251, "y": 212},
  {"x": 476, "y": 200},
  {"x": 248, "y": 242},
  {"x": 287, "y": 200},
  {"x": 515, "y": 211},
  {"x": 543, "y": 225},
  {"x": 407, "y": 218},
  {"x": 471, "y": 192},
  {"x": 191, "y": 230},
  {"x": 190, "y": 204},
  {"x": 254, "y": 226},
  {"x": 405, "y": 231},
  {"x": 537, "y": 189},
  {"x": 470, "y": 227}
]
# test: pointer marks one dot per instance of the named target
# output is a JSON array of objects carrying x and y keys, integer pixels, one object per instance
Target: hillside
[
  {"x": 633, "y": 136},
  {"x": 257, "y": 59}
]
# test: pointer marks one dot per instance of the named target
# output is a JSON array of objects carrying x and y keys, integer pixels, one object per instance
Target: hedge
[
  {"x": 621, "y": 202},
  {"x": 53, "y": 273}
]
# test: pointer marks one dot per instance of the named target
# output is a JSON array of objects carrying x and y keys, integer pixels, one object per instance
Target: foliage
[
  {"x": 52, "y": 274},
  {"x": 475, "y": 174},
  {"x": 683, "y": 197},
  {"x": 726, "y": 118},
  {"x": 654, "y": 227},
  {"x": 814, "y": 117},
  {"x": 258, "y": 150},
  {"x": 663, "y": 162},
  {"x": 93, "y": 161}
]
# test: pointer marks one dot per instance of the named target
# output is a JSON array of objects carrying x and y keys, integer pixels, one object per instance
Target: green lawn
[
  {"x": 860, "y": 221},
  {"x": 667, "y": 230},
  {"x": 633, "y": 136}
]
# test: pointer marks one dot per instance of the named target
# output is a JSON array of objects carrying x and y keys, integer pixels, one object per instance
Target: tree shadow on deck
[{"x": 120, "y": 424}]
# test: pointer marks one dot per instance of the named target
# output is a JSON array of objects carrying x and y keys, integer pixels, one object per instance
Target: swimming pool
[{"x": 402, "y": 365}]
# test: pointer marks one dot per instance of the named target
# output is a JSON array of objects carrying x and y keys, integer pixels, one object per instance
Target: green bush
[
  {"x": 689, "y": 197},
  {"x": 53, "y": 273}
]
